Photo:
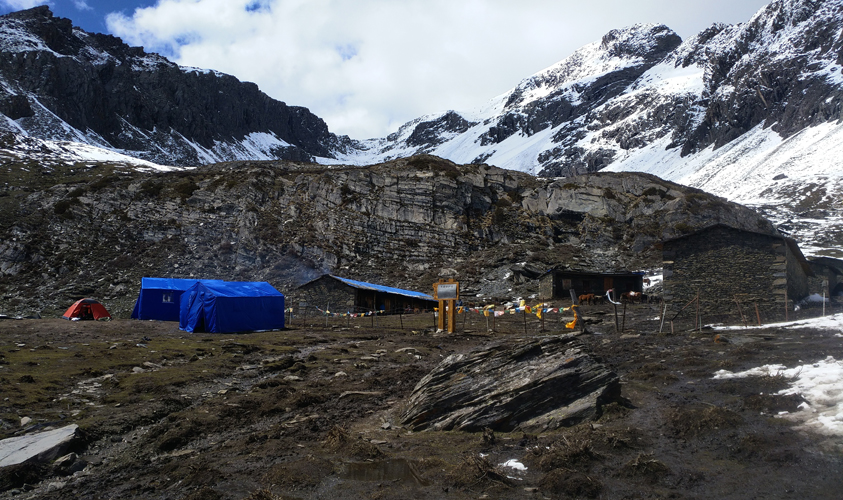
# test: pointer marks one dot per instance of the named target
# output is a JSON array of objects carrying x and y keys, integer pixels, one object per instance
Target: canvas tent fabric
[
  {"x": 160, "y": 298},
  {"x": 231, "y": 306},
  {"x": 86, "y": 309}
]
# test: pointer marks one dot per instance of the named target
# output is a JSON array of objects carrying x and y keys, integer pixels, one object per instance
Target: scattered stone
[
  {"x": 292, "y": 378},
  {"x": 25, "y": 421},
  {"x": 138, "y": 369},
  {"x": 340, "y": 374}
]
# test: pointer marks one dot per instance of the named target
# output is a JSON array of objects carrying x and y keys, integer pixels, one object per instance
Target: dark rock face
[
  {"x": 431, "y": 132},
  {"x": 648, "y": 44},
  {"x": 121, "y": 97},
  {"x": 775, "y": 71},
  {"x": 532, "y": 386}
]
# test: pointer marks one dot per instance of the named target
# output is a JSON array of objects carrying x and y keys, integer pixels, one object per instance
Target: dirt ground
[{"x": 313, "y": 412}]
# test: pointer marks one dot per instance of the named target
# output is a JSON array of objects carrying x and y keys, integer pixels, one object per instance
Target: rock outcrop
[
  {"x": 404, "y": 223},
  {"x": 533, "y": 386},
  {"x": 39, "y": 447}
]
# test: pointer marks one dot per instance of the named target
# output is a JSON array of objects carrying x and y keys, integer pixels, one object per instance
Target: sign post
[{"x": 447, "y": 293}]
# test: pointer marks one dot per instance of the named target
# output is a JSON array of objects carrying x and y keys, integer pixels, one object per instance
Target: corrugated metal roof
[
  {"x": 380, "y": 288},
  {"x": 172, "y": 283}
]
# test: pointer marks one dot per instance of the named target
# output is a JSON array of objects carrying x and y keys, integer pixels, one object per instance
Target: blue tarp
[
  {"x": 231, "y": 306},
  {"x": 159, "y": 298}
]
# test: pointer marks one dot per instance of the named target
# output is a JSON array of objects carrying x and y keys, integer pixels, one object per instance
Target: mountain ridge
[{"x": 62, "y": 83}]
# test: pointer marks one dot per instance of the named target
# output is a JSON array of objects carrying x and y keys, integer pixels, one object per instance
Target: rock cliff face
[
  {"x": 95, "y": 231},
  {"x": 62, "y": 83}
]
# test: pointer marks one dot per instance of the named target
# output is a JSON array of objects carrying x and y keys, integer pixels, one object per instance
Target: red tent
[{"x": 86, "y": 309}]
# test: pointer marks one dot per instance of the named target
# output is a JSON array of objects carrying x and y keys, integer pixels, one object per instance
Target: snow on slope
[
  {"x": 48, "y": 153},
  {"x": 702, "y": 101}
]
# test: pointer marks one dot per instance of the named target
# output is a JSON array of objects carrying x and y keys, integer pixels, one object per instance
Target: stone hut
[
  {"x": 347, "y": 295},
  {"x": 557, "y": 283},
  {"x": 727, "y": 266},
  {"x": 827, "y": 270}
]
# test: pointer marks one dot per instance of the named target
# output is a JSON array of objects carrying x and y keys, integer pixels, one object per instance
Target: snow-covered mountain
[
  {"x": 60, "y": 83},
  {"x": 750, "y": 112}
]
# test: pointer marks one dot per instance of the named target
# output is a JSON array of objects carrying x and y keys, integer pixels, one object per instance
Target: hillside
[{"x": 95, "y": 230}]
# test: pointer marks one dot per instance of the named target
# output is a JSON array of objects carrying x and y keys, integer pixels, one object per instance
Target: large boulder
[
  {"x": 533, "y": 385},
  {"x": 39, "y": 447}
]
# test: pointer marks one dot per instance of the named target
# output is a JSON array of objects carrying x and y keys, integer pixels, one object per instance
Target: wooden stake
[
  {"x": 663, "y": 315},
  {"x": 757, "y": 314},
  {"x": 617, "y": 327},
  {"x": 740, "y": 311},
  {"x": 623, "y": 324},
  {"x": 699, "y": 320},
  {"x": 525, "y": 321}
]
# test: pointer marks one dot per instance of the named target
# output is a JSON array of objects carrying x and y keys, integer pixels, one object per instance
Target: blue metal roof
[
  {"x": 386, "y": 289},
  {"x": 172, "y": 283}
]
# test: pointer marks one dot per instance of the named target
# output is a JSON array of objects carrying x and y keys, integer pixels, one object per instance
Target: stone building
[
  {"x": 728, "y": 266},
  {"x": 557, "y": 283},
  {"x": 827, "y": 270},
  {"x": 333, "y": 293}
]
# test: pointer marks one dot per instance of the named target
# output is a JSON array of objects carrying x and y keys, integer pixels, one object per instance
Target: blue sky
[
  {"x": 87, "y": 14},
  {"x": 368, "y": 66}
]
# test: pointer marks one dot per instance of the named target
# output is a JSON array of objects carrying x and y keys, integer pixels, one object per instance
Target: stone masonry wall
[{"x": 721, "y": 264}]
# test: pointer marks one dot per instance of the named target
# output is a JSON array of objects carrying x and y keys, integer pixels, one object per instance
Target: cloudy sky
[{"x": 368, "y": 66}]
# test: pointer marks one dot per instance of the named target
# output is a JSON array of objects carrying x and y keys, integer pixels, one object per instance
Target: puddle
[{"x": 397, "y": 470}]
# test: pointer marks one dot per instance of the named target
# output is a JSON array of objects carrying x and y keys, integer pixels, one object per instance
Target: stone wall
[
  {"x": 722, "y": 264},
  {"x": 326, "y": 292}
]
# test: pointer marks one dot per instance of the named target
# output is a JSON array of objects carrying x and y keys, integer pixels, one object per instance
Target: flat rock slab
[
  {"x": 41, "y": 447},
  {"x": 533, "y": 386}
]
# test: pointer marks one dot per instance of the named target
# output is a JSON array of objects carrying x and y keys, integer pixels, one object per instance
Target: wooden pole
[
  {"x": 525, "y": 321},
  {"x": 617, "y": 326},
  {"x": 740, "y": 311},
  {"x": 623, "y": 323},
  {"x": 697, "y": 321},
  {"x": 663, "y": 315},
  {"x": 542, "y": 312},
  {"x": 757, "y": 314},
  {"x": 401, "y": 318},
  {"x": 327, "y": 309}
]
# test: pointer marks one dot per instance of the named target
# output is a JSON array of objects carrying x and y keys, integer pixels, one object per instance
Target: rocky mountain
[
  {"x": 750, "y": 112},
  {"x": 60, "y": 83},
  {"x": 84, "y": 230}
]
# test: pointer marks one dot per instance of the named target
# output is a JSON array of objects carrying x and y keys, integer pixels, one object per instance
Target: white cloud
[
  {"x": 23, "y": 4},
  {"x": 367, "y": 66},
  {"x": 82, "y": 5}
]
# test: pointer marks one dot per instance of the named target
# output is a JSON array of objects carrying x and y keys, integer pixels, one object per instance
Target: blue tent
[
  {"x": 231, "y": 306},
  {"x": 159, "y": 298}
]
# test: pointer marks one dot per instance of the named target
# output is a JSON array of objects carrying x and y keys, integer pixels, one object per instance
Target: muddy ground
[{"x": 313, "y": 412}]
